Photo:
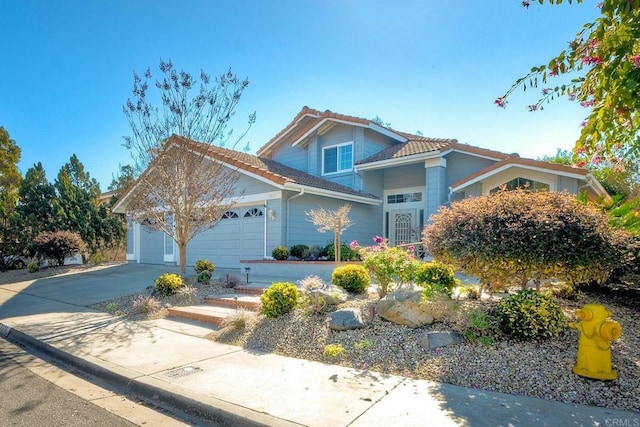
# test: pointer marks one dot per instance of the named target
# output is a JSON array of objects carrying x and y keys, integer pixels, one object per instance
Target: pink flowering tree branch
[{"x": 601, "y": 71}]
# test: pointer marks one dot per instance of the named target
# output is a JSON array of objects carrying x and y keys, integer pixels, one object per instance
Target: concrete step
[
  {"x": 204, "y": 313},
  {"x": 256, "y": 289},
  {"x": 241, "y": 301}
]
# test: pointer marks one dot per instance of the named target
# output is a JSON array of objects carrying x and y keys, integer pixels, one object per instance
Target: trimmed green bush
[
  {"x": 279, "y": 298},
  {"x": 529, "y": 315},
  {"x": 435, "y": 277},
  {"x": 300, "y": 251},
  {"x": 352, "y": 278},
  {"x": 280, "y": 253},
  {"x": 346, "y": 253},
  {"x": 168, "y": 283}
]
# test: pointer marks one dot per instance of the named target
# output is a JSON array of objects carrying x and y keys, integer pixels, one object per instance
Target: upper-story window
[{"x": 337, "y": 158}]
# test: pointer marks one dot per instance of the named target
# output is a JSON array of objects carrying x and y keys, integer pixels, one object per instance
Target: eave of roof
[
  {"x": 516, "y": 161},
  {"x": 281, "y": 176}
]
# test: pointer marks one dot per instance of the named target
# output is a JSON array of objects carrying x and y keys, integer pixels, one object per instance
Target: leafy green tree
[
  {"x": 76, "y": 207},
  {"x": 9, "y": 183},
  {"x": 184, "y": 193},
  {"x": 623, "y": 182},
  {"x": 121, "y": 181},
  {"x": 602, "y": 71},
  {"x": 37, "y": 198}
]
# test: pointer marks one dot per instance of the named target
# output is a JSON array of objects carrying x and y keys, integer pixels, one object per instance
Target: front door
[{"x": 401, "y": 226}]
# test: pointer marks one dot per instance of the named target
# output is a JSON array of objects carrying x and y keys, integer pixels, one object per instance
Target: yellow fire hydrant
[{"x": 594, "y": 344}]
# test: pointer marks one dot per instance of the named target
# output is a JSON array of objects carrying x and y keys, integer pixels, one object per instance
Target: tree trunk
[
  {"x": 336, "y": 248},
  {"x": 182, "y": 250}
]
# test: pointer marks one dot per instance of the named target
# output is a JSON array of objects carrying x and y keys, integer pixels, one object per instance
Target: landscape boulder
[
  {"x": 331, "y": 295},
  {"x": 405, "y": 307},
  {"x": 346, "y": 319},
  {"x": 435, "y": 339}
]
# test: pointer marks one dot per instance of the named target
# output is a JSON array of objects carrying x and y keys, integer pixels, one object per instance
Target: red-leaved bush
[
  {"x": 58, "y": 245},
  {"x": 510, "y": 237}
]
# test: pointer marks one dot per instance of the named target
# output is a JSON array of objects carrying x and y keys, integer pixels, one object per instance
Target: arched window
[
  {"x": 524, "y": 183},
  {"x": 229, "y": 215},
  {"x": 253, "y": 212}
]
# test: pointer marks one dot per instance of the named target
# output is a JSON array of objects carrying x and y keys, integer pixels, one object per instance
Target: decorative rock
[
  {"x": 431, "y": 340},
  {"x": 405, "y": 307},
  {"x": 344, "y": 320},
  {"x": 332, "y": 295}
]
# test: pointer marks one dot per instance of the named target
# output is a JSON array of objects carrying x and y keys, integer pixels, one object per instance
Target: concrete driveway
[{"x": 74, "y": 292}]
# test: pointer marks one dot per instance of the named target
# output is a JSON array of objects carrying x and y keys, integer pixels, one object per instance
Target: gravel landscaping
[{"x": 538, "y": 369}]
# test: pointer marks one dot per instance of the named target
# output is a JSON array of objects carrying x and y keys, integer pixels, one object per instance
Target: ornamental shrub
[
  {"x": 168, "y": 283},
  {"x": 387, "y": 264},
  {"x": 57, "y": 245},
  {"x": 204, "y": 270},
  {"x": 203, "y": 265},
  {"x": 279, "y": 298},
  {"x": 346, "y": 253},
  {"x": 352, "y": 278},
  {"x": 300, "y": 251},
  {"x": 529, "y": 315},
  {"x": 435, "y": 277},
  {"x": 280, "y": 253},
  {"x": 511, "y": 237}
]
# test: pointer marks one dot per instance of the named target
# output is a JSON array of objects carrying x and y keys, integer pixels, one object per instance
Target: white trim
[
  {"x": 435, "y": 162},
  {"x": 386, "y": 132},
  {"x": 470, "y": 153},
  {"x": 519, "y": 166},
  {"x": 337, "y": 147},
  {"x": 403, "y": 190},
  {"x": 285, "y": 131},
  {"x": 381, "y": 164},
  {"x": 496, "y": 181},
  {"x": 252, "y": 199}
]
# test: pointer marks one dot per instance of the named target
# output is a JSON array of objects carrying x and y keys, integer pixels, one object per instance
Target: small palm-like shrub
[
  {"x": 280, "y": 253},
  {"x": 529, "y": 315},
  {"x": 352, "y": 278},
  {"x": 333, "y": 351},
  {"x": 33, "y": 267},
  {"x": 204, "y": 270},
  {"x": 435, "y": 277},
  {"x": 279, "y": 298},
  {"x": 168, "y": 283}
]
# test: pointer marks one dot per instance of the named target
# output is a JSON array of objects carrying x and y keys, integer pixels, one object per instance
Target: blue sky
[{"x": 427, "y": 65}]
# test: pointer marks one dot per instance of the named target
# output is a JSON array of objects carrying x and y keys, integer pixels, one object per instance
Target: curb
[{"x": 150, "y": 389}]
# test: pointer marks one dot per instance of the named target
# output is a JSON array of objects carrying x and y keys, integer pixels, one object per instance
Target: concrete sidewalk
[{"x": 170, "y": 362}]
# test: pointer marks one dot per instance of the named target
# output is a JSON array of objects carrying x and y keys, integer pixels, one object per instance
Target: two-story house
[{"x": 393, "y": 180}]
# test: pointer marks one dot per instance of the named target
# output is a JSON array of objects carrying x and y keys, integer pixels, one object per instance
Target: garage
[{"x": 238, "y": 236}]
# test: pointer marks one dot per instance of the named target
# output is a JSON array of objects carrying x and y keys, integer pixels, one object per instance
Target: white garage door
[{"x": 239, "y": 236}]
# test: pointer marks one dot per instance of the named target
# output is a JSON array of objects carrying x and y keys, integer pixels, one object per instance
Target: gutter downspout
[
  {"x": 286, "y": 231},
  {"x": 266, "y": 214}
]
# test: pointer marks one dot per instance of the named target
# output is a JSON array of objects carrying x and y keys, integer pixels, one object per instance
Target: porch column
[{"x": 435, "y": 185}]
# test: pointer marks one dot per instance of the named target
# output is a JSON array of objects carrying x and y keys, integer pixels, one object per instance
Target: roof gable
[{"x": 309, "y": 120}]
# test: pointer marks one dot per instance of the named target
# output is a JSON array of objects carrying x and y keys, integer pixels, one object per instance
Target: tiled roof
[
  {"x": 415, "y": 145},
  {"x": 267, "y": 168},
  {"x": 306, "y": 120},
  {"x": 517, "y": 160}
]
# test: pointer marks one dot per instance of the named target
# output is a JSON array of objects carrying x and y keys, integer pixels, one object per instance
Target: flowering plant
[{"x": 387, "y": 264}]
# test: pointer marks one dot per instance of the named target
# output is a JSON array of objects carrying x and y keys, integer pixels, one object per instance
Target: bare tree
[
  {"x": 181, "y": 188},
  {"x": 336, "y": 221},
  {"x": 184, "y": 192}
]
